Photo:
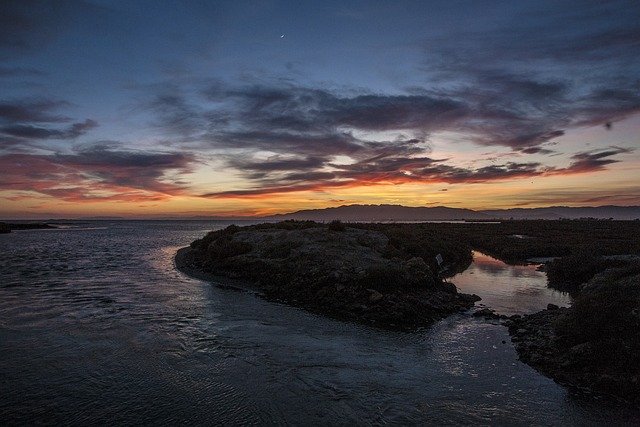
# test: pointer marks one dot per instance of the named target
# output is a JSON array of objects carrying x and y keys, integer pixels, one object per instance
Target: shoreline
[
  {"x": 537, "y": 345},
  {"x": 185, "y": 263},
  {"x": 337, "y": 274}
]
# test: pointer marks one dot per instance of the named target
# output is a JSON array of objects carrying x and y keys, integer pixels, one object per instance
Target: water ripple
[{"x": 97, "y": 327}]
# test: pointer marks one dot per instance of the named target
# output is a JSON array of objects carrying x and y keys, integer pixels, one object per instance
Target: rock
[
  {"x": 580, "y": 350},
  {"x": 449, "y": 287},
  {"x": 486, "y": 313},
  {"x": 552, "y": 307},
  {"x": 469, "y": 297},
  {"x": 374, "y": 296},
  {"x": 346, "y": 274}
]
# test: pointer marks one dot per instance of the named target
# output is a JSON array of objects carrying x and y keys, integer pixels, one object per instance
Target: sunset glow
[{"x": 151, "y": 109}]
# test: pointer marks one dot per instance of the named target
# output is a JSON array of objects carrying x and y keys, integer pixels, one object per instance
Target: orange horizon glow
[{"x": 460, "y": 108}]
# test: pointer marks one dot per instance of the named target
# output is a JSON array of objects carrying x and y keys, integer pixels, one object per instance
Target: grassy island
[
  {"x": 380, "y": 275},
  {"x": 595, "y": 343},
  {"x": 386, "y": 274}
]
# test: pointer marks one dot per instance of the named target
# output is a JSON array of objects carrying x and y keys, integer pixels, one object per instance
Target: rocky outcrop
[
  {"x": 577, "y": 366},
  {"x": 341, "y": 272}
]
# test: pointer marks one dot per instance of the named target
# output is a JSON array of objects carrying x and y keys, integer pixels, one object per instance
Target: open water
[{"x": 98, "y": 327}]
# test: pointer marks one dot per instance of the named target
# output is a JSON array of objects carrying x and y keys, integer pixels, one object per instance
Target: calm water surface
[
  {"x": 508, "y": 289},
  {"x": 97, "y": 326}
]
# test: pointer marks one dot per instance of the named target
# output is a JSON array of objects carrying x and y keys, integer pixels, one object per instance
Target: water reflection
[
  {"x": 508, "y": 289},
  {"x": 97, "y": 327}
]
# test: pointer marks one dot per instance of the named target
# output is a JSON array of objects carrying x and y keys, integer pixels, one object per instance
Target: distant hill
[
  {"x": 382, "y": 213},
  {"x": 441, "y": 213}
]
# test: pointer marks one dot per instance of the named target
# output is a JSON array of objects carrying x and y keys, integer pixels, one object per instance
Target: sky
[{"x": 149, "y": 108}]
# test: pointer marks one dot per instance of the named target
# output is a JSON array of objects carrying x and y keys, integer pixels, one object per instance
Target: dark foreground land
[
  {"x": 7, "y": 227},
  {"x": 360, "y": 274},
  {"x": 386, "y": 274}
]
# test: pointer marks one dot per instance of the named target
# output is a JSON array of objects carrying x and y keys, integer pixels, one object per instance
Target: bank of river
[{"x": 98, "y": 327}]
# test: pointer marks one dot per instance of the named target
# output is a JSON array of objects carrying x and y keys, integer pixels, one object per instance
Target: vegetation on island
[
  {"x": 593, "y": 345},
  {"x": 388, "y": 274},
  {"x": 385, "y": 275}
]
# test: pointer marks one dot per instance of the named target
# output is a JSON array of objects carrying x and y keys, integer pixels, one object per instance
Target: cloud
[
  {"x": 96, "y": 173},
  {"x": 594, "y": 160},
  {"x": 536, "y": 150},
  {"x": 424, "y": 170},
  {"x": 25, "y": 122},
  {"x": 286, "y": 137},
  {"x": 38, "y": 133},
  {"x": 31, "y": 111},
  {"x": 521, "y": 84},
  {"x": 302, "y": 109},
  {"x": 386, "y": 171}
]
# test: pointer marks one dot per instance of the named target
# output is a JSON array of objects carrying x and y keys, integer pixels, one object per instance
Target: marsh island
[
  {"x": 387, "y": 275},
  {"x": 354, "y": 273}
]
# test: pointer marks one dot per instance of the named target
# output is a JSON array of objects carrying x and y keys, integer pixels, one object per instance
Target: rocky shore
[
  {"x": 338, "y": 271},
  {"x": 606, "y": 364}
]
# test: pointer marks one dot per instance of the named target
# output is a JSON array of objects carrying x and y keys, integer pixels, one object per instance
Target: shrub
[
  {"x": 607, "y": 316},
  {"x": 384, "y": 278},
  {"x": 225, "y": 247},
  {"x": 336, "y": 225},
  {"x": 281, "y": 249},
  {"x": 571, "y": 271}
]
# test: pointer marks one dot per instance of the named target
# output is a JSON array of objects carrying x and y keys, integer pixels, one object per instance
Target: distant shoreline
[{"x": 7, "y": 227}]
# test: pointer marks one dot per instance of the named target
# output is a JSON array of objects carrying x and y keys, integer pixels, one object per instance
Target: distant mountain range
[
  {"x": 381, "y": 213},
  {"x": 404, "y": 213}
]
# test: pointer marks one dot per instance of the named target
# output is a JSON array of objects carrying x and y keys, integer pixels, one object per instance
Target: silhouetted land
[
  {"x": 357, "y": 273},
  {"x": 387, "y": 274},
  {"x": 7, "y": 227},
  {"x": 380, "y": 213}
]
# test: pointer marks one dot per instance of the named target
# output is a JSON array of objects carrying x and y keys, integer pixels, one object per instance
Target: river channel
[{"x": 98, "y": 327}]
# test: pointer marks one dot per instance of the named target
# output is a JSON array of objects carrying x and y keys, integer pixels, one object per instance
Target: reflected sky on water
[{"x": 508, "y": 289}]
